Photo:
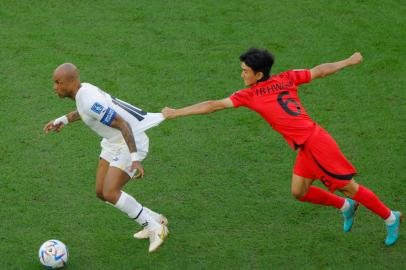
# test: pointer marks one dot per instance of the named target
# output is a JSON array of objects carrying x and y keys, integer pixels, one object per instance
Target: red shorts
[{"x": 320, "y": 158}]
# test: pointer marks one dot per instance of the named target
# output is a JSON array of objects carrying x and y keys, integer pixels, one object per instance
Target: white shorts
[{"x": 118, "y": 155}]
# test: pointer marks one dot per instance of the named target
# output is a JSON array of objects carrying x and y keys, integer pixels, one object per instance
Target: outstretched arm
[
  {"x": 120, "y": 124},
  {"x": 57, "y": 124},
  {"x": 326, "y": 69},
  {"x": 199, "y": 108},
  {"x": 73, "y": 116}
]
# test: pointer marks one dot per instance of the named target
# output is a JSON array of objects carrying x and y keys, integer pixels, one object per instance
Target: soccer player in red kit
[{"x": 276, "y": 99}]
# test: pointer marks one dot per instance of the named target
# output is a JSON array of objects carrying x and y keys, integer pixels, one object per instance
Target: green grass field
[{"x": 223, "y": 180}]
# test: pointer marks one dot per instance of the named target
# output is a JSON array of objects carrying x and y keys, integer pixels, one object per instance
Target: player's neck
[
  {"x": 260, "y": 82},
  {"x": 75, "y": 91}
]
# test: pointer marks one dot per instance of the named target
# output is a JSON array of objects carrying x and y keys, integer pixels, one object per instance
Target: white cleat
[
  {"x": 144, "y": 234},
  {"x": 157, "y": 237}
]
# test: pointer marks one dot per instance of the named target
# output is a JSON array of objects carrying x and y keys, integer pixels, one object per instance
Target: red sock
[
  {"x": 320, "y": 196},
  {"x": 368, "y": 199}
]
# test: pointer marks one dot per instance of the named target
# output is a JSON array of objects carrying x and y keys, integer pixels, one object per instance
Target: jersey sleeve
[
  {"x": 98, "y": 108},
  {"x": 300, "y": 76},
  {"x": 241, "y": 98}
]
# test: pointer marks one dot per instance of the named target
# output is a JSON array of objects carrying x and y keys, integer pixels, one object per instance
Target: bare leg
[
  {"x": 350, "y": 189},
  {"x": 114, "y": 181},
  {"x": 304, "y": 192},
  {"x": 100, "y": 175},
  {"x": 300, "y": 186}
]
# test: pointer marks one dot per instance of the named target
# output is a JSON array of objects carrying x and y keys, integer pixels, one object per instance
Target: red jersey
[{"x": 277, "y": 101}]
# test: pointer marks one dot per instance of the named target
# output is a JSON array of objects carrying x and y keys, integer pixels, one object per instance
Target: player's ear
[{"x": 259, "y": 75}]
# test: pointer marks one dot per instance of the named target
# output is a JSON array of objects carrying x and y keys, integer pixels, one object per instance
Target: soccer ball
[{"x": 53, "y": 254}]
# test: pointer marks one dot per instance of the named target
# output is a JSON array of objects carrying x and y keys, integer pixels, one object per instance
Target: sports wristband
[
  {"x": 61, "y": 120},
  {"x": 134, "y": 156}
]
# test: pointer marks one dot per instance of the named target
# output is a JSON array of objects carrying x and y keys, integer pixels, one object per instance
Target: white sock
[
  {"x": 391, "y": 219},
  {"x": 145, "y": 220},
  {"x": 127, "y": 204},
  {"x": 345, "y": 206},
  {"x": 154, "y": 215}
]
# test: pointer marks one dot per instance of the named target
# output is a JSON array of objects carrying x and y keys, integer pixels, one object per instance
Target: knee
[
  {"x": 99, "y": 194},
  {"x": 300, "y": 186},
  {"x": 111, "y": 196},
  {"x": 297, "y": 194},
  {"x": 350, "y": 189}
]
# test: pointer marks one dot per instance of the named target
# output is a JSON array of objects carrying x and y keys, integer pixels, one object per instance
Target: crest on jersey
[{"x": 97, "y": 107}]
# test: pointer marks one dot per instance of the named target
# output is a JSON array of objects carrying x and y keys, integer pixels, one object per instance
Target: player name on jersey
[{"x": 273, "y": 88}]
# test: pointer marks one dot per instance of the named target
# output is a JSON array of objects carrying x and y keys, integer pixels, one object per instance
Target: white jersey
[{"x": 98, "y": 110}]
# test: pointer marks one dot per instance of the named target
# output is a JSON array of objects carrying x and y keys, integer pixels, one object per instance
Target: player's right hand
[
  {"x": 168, "y": 113},
  {"x": 136, "y": 165},
  {"x": 50, "y": 126}
]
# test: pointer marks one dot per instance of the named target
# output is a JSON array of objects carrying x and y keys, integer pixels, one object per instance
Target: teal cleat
[
  {"x": 349, "y": 215},
  {"x": 393, "y": 230}
]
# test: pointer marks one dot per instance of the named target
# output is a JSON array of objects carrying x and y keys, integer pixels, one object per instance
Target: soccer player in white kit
[{"x": 124, "y": 145}]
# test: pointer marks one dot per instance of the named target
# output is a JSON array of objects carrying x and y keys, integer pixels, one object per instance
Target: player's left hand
[{"x": 140, "y": 170}]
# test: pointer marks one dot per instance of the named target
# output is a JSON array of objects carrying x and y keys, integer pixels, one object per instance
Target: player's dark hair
[{"x": 260, "y": 60}]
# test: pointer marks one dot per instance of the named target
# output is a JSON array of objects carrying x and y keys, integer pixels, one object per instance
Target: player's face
[
  {"x": 249, "y": 76},
  {"x": 62, "y": 85}
]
